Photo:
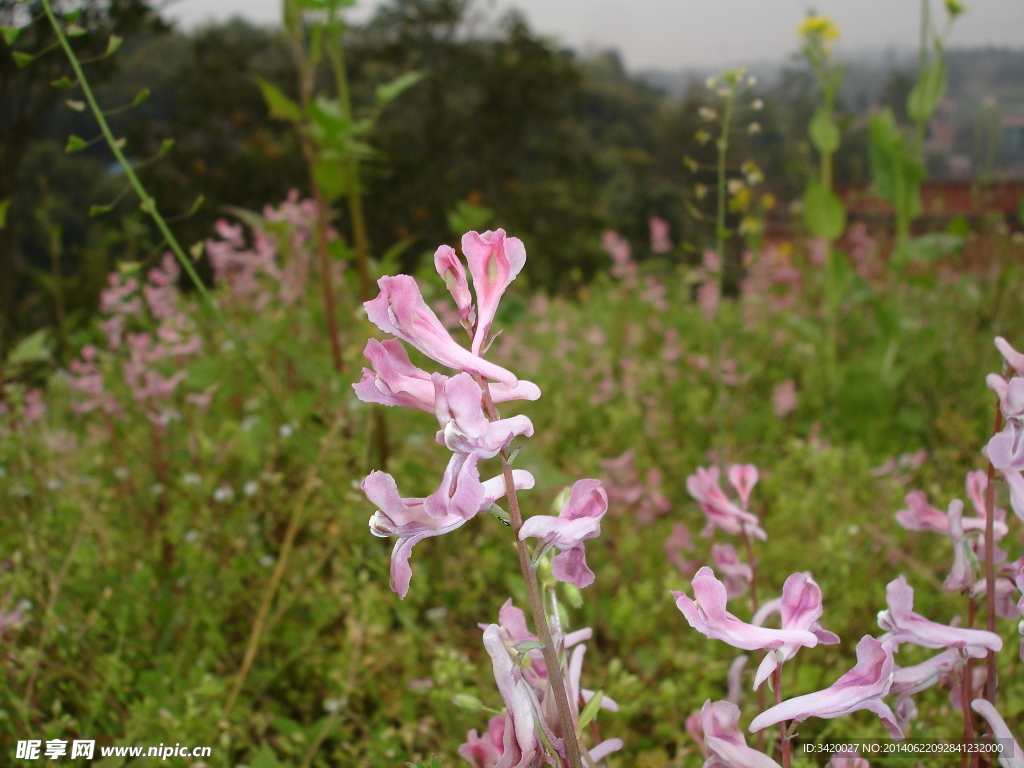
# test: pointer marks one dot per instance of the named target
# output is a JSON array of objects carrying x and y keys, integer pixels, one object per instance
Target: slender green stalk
[
  {"x": 149, "y": 206},
  {"x": 922, "y": 69},
  {"x": 721, "y": 235},
  {"x": 536, "y": 599},
  {"x": 357, "y": 215}
]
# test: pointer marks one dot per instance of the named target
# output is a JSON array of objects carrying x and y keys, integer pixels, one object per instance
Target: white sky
[{"x": 672, "y": 34}]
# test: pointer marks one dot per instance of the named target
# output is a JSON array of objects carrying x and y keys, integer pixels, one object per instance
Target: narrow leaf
[
  {"x": 4, "y": 206},
  {"x": 196, "y": 251},
  {"x": 99, "y": 210},
  {"x": 63, "y": 83},
  {"x": 165, "y": 147},
  {"x": 389, "y": 91},
  {"x": 22, "y": 59},
  {"x": 74, "y": 30},
  {"x": 10, "y": 34},
  {"x": 590, "y": 710},
  {"x": 141, "y": 97},
  {"x": 279, "y": 105},
  {"x": 75, "y": 144},
  {"x": 78, "y": 106},
  {"x": 113, "y": 44}
]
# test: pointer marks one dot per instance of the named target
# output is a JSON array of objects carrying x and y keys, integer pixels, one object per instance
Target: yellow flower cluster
[{"x": 818, "y": 26}]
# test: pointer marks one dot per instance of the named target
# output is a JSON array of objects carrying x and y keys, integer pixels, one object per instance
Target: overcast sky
[{"x": 673, "y": 34}]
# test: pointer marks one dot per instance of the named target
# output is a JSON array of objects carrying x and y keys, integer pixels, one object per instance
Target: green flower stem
[{"x": 149, "y": 206}]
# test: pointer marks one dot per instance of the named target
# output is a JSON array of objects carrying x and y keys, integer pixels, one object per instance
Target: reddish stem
[
  {"x": 990, "y": 570},
  {"x": 787, "y": 757}
]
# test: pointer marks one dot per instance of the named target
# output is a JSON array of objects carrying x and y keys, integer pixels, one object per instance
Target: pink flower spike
[
  {"x": 861, "y": 688},
  {"x": 902, "y": 625},
  {"x": 401, "y": 311},
  {"x": 494, "y": 261},
  {"x": 736, "y": 573},
  {"x": 464, "y": 427},
  {"x": 577, "y": 521},
  {"x": 449, "y": 267},
  {"x": 708, "y": 615},
  {"x": 743, "y": 477},
  {"x": 519, "y": 740},
  {"x": 660, "y": 241},
  {"x": 720, "y": 511},
  {"x": 1014, "y": 758},
  {"x": 800, "y": 609},
  {"x": 460, "y": 497},
  {"x": 1013, "y": 358},
  {"x": 723, "y": 741}
]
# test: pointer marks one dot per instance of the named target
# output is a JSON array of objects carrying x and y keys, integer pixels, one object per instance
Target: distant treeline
[{"x": 556, "y": 147}]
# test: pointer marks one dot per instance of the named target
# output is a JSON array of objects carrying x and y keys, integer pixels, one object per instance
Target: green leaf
[
  {"x": 113, "y": 44},
  {"x": 74, "y": 30},
  {"x": 77, "y": 106},
  {"x": 331, "y": 178},
  {"x": 22, "y": 59},
  {"x": 928, "y": 91},
  {"x": 4, "y": 206},
  {"x": 265, "y": 758},
  {"x": 279, "y": 105},
  {"x": 824, "y": 132},
  {"x": 896, "y": 172},
  {"x": 389, "y": 91},
  {"x": 99, "y": 210},
  {"x": 75, "y": 144},
  {"x": 824, "y": 213},
  {"x": 590, "y": 710},
  {"x": 63, "y": 82},
  {"x": 165, "y": 147},
  {"x": 196, "y": 205},
  {"x": 10, "y": 34},
  {"x": 141, "y": 96},
  {"x": 72, "y": 16},
  {"x": 468, "y": 217},
  {"x": 196, "y": 251},
  {"x": 34, "y": 348}
]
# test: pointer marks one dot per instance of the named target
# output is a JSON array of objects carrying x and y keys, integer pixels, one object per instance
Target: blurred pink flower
[
  {"x": 660, "y": 242},
  {"x": 719, "y": 510},
  {"x": 735, "y": 573},
  {"x": 784, "y": 398}
]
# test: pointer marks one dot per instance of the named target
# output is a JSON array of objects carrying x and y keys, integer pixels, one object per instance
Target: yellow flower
[{"x": 818, "y": 26}]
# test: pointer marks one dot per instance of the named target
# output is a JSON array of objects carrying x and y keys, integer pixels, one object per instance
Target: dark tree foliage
[{"x": 27, "y": 97}]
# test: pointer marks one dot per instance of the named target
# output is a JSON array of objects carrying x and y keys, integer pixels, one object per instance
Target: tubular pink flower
[
  {"x": 723, "y": 741},
  {"x": 520, "y": 744},
  {"x": 734, "y": 679},
  {"x": 960, "y": 576},
  {"x": 678, "y": 542},
  {"x": 399, "y": 309},
  {"x": 736, "y": 573},
  {"x": 743, "y": 477},
  {"x": 722, "y": 513},
  {"x": 902, "y": 625},
  {"x": 907, "y": 681},
  {"x": 800, "y": 609},
  {"x": 449, "y": 267},
  {"x": 1013, "y": 358},
  {"x": 484, "y": 751},
  {"x": 1011, "y": 394},
  {"x": 464, "y": 427},
  {"x": 708, "y": 615},
  {"x": 494, "y": 261},
  {"x": 577, "y": 521},
  {"x": 1006, "y": 449},
  {"x": 861, "y": 688},
  {"x": 460, "y": 497},
  {"x": 922, "y": 516},
  {"x": 1012, "y": 758},
  {"x": 394, "y": 380}
]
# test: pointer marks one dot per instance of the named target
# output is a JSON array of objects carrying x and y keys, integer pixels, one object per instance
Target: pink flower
[
  {"x": 800, "y": 609},
  {"x": 902, "y": 625},
  {"x": 847, "y": 760},
  {"x": 483, "y": 752},
  {"x": 784, "y": 398},
  {"x": 708, "y": 615},
  {"x": 449, "y": 267},
  {"x": 1013, "y": 757},
  {"x": 922, "y": 516},
  {"x": 464, "y": 427},
  {"x": 660, "y": 242},
  {"x": 623, "y": 267},
  {"x": 723, "y": 741},
  {"x": 460, "y": 496},
  {"x": 1011, "y": 394},
  {"x": 494, "y": 261},
  {"x": 907, "y": 681},
  {"x": 722, "y": 513},
  {"x": 861, "y": 688},
  {"x": 1013, "y": 358},
  {"x": 743, "y": 477},
  {"x": 736, "y": 573},
  {"x": 519, "y": 744},
  {"x": 678, "y": 542},
  {"x": 734, "y": 679},
  {"x": 577, "y": 521},
  {"x": 401, "y": 311}
]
